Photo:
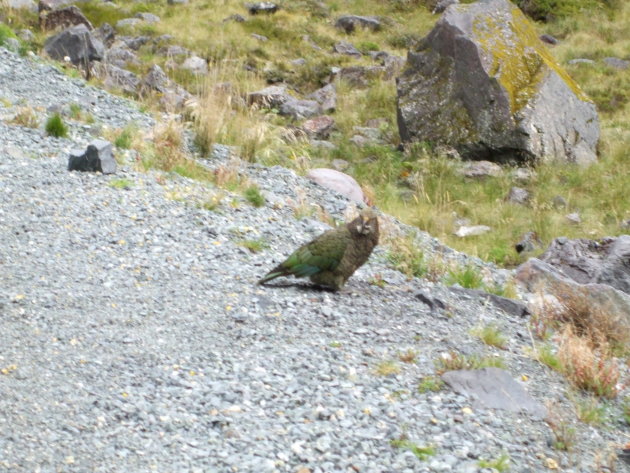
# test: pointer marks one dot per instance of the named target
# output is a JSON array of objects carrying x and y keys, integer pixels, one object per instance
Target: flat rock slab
[{"x": 494, "y": 388}]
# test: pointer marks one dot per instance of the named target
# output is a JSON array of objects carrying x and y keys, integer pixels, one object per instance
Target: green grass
[
  {"x": 124, "y": 139},
  {"x": 56, "y": 127},
  {"x": 430, "y": 384},
  {"x": 421, "y": 186},
  {"x": 458, "y": 361},
  {"x": 500, "y": 464},
  {"x": 547, "y": 356},
  {"x": 491, "y": 335},
  {"x": 254, "y": 196},
  {"x": 468, "y": 276},
  {"x": 422, "y": 452},
  {"x": 121, "y": 183},
  {"x": 255, "y": 245},
  {"x": 590, "y": 410}
]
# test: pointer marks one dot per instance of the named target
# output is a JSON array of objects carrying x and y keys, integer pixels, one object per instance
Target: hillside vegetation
[{"x": 420, "y": 186}]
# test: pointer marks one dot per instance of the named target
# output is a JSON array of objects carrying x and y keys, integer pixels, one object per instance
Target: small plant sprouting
[
  {"x": 590, "y": 411},
  {"x": 121, "y": 183},
  {"x": 430, "y": 384},
  {"x": 546, "y": 355},
  {"x": 254, "y": 196},
  {"x": 500, "y": 464},
  {"x": 564, "y": 434},
  {"x": 56, "y": 127},
  {"x": 26, "y": 117},
  {"x": 467, "y": 276},
  {"x": 408, "y": 356},
  {"x": 405, "y": 256},
  {"x": 212, "y": 202},
  {"x": 125, "y": 137},
  {"x": 421, "y": 452},
  {"x": 387, "y": 368},
  {"x": 456, "y": 361},
  {"x": 255, "y": 246},
  {"x": 491, "y": 335}
]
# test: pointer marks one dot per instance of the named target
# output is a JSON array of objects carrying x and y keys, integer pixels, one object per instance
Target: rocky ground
[{"x": 133, "y": 336}]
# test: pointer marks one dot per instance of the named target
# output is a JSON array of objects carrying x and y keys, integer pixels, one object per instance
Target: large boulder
[
  {"x": 585, "y": 261},
  {"x": 78, "y": 43},
  {"x": 338, "y": 182},
  {"x": 64, "y": 18},
  {"x": 483, "y": 82}
]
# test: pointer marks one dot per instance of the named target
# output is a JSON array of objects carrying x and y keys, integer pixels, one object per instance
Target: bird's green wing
[{"x": 322, "y": 254}]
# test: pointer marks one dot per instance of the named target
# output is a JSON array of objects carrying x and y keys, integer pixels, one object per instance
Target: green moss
[{"x": 520, "y": 61}]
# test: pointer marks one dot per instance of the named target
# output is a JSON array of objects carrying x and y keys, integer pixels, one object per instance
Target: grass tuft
[
  {"x": 56, "y": 127},
  {"x": 491, "y": 335},
  {"x": 456, "y": 361},
  {"x": 254, "y": 196}
]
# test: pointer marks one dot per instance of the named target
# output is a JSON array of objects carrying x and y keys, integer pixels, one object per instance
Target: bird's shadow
[{"x": 304, "y": 287}]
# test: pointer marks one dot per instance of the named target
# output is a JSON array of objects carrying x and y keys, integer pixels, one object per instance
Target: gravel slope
[{"x": 133, "y": 337}]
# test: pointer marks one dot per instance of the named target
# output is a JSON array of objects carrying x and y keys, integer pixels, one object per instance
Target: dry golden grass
[{"x": 588, "y": 366}]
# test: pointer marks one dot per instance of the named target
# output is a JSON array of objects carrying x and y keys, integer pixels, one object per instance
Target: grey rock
[
  {"x": 148, "y": 17},
  {"x": 156, "y": 79},
  {"x": 196, "y": 65},
  {"x": 574, "y": 218},
  {"x": 536, "y": 275},
  {"x": 26, "y": 35},
  {"x": 78, "y": 43},
  {"x": 121, "y": 57},
  {"x": 360, "y": 76},
  {"x": 494, "y": 388},
  {"x": 116, "y": 78},
  {"x": 106, "y": 34},
  {"x": 270, "y": 97},
  {"x": 547, "y": 38},
  {"x": 134, "y": 42},
  {"x": 259, "y": 37},
  {"x": 128, "y": 23},
  {"x": 474, "y": 230},
  {"x": 442, "y": 5},
  {"x": 97, "y": 157},
  {"x": 318, "y": 127},
  {"x": 65, "y": 18},
  {"x": 480, "y": 169},
  {"x": 524, "y": 175},
  {"x": 236, "y": 17},
  {"x": 339, "y": 182},
  {"x": 324, "y": 145},
  {"x": 585, "y": 261},
  {"x": 518, "y": 195},
  {"x": 453, "y": 92},
  {"x": 174, "y": 50},
  {"x": 298, "y": 62},
  {"x": 529, "y": 242},
  {"x": 48, "y": 5},
  {"x": 434, "y": 303},
  {"x": 326, "y": 97},
  {"x": 177, "y": 2},
  {"x": 617, "y": 63},
  {"x": 349, "y": 23},
  {"x": 580, "y": 61},
  {"x": 299, "y": 109},
  {"x": 262, "y": 7},
  {"x": 509, "y": 306},
  {"x": 344, "y": 47},
  {"x": 559, "y": 202}
]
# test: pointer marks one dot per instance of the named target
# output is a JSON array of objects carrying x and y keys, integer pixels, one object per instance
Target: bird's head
[{"x": 366, "y": 223}]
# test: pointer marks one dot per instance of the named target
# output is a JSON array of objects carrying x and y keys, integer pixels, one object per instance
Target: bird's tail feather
[{"x": 271, "y": 275}]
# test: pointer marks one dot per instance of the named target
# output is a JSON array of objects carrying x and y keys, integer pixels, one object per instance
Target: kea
[{"x": 331, "y": 258}]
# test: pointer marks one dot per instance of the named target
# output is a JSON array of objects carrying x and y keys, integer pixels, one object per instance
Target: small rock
[
  {"x": 196, "y": 65},
  {"x": 547, "y": 38},
  {"x": 581, "y": 61},
  {"x": 326, "y": 97},
  {"x": 443, "y": 5},
  {"x": 298, "y": 62},
  {"x": 481, "y": 169},
  {"x": 340, "y": 164},
  {"x": 529, "y": 242},
  {"x": 574, "y": 218},
  {"x": 343, "y": 47},
  {"x": 518, "y": 195},
  {"x": 98, "y": 157},
  {"x": 617, "y": 63},
  {"x": 473, "y": 230},
  {"x": 128, "y": 23},
  {"x": 262, "y": 7},
  {"x": 349, "y": 23},
  {"x": 559, "y": 202},
  {"x": 148, "y": 17},
  {"x": 236, "y": 17},
  {"x": 524, "y": 175},
  {"x": 337, "y": 181},
  {"x": 259, "y": 37},
  {"x": 318, "y": 127}
]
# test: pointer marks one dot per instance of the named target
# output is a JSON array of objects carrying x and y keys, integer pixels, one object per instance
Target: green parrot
[{"x": 331, "y": 258}]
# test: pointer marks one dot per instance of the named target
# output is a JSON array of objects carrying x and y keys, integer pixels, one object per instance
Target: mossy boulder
[{"x": 482, "y": 82}]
